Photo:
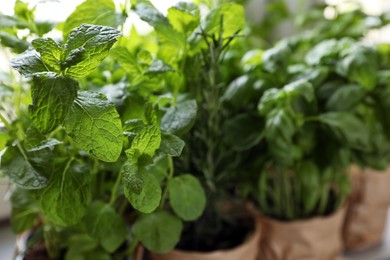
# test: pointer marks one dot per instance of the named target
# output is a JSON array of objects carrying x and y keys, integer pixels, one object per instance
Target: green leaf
[
  {"x": 99, "y": 12},
  {"x": 17, "y": 45},
  {"x": 22, "y": 219},
  {"x": 182, "y": 20},
  {"x": 348, "y": 128},
  {"x": 86, "y": 47},
  {"x": 127, "y": 61},
  {"x": 308, "y": 177},
  {"x": 300, "y": 88},
  {"x": 149, "y": 198},
  {"x": 345, "y": 98},
  {"x": 95, "y": 126},
  {"x": 187, "y": 197},
  {"x": 159, "y": 168},
  {"x": 179, "y": 119},
  {"x": 158, "y": 66},
  {"x": 52, "y": 96},
  {"x": 68, "y": 194},
  {"x": 159, "y": 231},
  {"x": 50, "y": 52},
  {"x": 20, "y": 171},
  {"x": 107, "y": 226},
  {"x": 146, "y": 142},
  {"x": 28, "y": 63},
  {"x": 171, "y": 145},
  {"x": 133, "y": 179}
]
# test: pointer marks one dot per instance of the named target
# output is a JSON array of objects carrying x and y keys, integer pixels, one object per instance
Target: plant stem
[
  {"x": 169, "y": 177},
  {"x": 115, "y": 189},
  {"x": 5, "y": 121}
]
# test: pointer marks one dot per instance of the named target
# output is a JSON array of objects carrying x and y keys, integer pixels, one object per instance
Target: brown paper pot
[
  {"x": 317, "y": 238},
  {"x": 367, "y": 209},
  {"x": 246, "y": 251}
]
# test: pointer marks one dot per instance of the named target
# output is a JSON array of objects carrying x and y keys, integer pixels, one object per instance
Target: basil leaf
[
  {"x": 104, "y": 224},
  {"x": 66, "y": 198},
  {"x": 159, "y": 231},
  {"x": 345, "y": 98},
  {"x": 99, "y": 12},
  {"x": 179, "y": 119},
  {"x": 187, "y": 197},
  {"x": 86, "y": 47},
  {"x": 52, "y": 95},
  {"x": 95, "y": 126},
  {"x": 20, "y": 171}
]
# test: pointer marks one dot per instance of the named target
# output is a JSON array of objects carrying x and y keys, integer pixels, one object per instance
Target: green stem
[
  {"x": 115, "y": 189},
  {"x": 132, "y": 246},
  {"x": 169, "y": 178},
  {"x": 5, "y": 121}
]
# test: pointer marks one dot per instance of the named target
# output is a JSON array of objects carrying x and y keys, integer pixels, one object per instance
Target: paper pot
[
  {"x": 367, "y": 209},
  {"x": 246, "y": 251},
  {"x": 317, "y": 238}
]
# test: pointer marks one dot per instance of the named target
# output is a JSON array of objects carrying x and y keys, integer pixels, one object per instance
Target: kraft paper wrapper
[
  {"x": 317, "y": 238},
  {"x": 246, "y": 251},
  {"x": 367, "y": 210}
]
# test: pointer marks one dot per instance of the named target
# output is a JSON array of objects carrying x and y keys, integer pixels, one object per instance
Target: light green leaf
[
  {"x": 187, "y": 197},
  {"x": 159, "y": 231},
  {"x": 50, "y": 52},
  {"x": 99, "y": 12},
  {"x": 182, "y": 20},
  {"x": 95, "y": 126},
  {"x": 52, "y": 96},
  {"x": 179, "y": 119},
  {"x": 171, "y": 145},
  {"x": 127, "y": 61},
  {"x": 86, "y": 47},
  {"x": 149, "y": 198},
  {"x": 68, "y": 194},
  {"x": 28, "y": 63},
  {"x": 107, "y": 226},
  {"x": 22, "y": 219},
  {"x": 17, "y": 45},
  {"x": 20, "y": 171},
  {"x": 146, "y": 142}
]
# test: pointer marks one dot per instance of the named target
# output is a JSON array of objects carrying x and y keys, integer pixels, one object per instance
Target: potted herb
[
  {"x": 201, "y": 51},
  {"x": 88, "y": 152}
]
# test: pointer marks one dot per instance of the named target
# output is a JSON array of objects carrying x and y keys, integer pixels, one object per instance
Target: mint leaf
[
  {"x": 146, "y": 142},
  {"x": 107, "y": 226},
  {"x": 20, "y": 171},
  {"x": 182, "y": 20},
  {"x": 99, "y": 12},
  {"x": 158, "y": 66},
  {"x": 35, "y": 141},
  {"x": 159, "y": 231},
  {"x": 132, "y": 178},
  {"x": 171, "y": 145},
  {"x": 95, "y": 126},
  {"x": 187, "y": 197},
  {"x": 50, "y": 53},
  {"x": 149, "y": 198},
  {"x": 28, "y": 63},
  {"x": 86, "y": 47},
  {"x": 127, "y": 61},
  {"x": 52, "y": 96},
  {"x": 179, "y": 119},
  {"x": 65, "y": 199}
]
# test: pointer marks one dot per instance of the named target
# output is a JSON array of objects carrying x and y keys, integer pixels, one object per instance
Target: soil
[{"x": 37, "y": 252}]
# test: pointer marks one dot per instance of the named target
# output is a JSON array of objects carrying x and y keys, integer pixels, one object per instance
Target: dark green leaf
[
  {"x": 103, "y": 223},
  {"x": 187, "y": 197},
  {"x": 68, "y": 194},
  {"x": 133, "y": 179},
  {"x": 20, "y": 171},
  {"x": 22, "y": 219},
  {"x": 28, "y": 63},
  {"x": 171, "y": 145},
  {"x": 345, "y": 98},
  {"x": 52, "y": 96},
  {"x": 35, "y": 141},
  {"x": 95, "y": 126},
  {"x": 179, "y": 119},
  {"x": 159, "y": 231}
]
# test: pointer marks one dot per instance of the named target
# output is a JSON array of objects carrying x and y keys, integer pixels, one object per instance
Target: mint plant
[{"x": 90, "y": 154}]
